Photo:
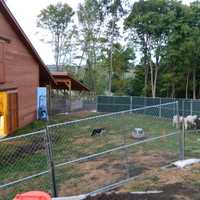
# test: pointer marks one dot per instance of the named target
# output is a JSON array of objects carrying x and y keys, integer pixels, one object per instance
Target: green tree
[
  {"x": 113, "y": 11},
  {"x": 89, "y": 15},
  {"x": 183, "y": 47},
  {"x": 149, "y": 23},
  {"x": 123, "y": 63},
  {"x": 56, "y": 20}
]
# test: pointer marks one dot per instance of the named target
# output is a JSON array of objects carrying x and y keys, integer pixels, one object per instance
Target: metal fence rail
[{"x": 64, "y": 156}]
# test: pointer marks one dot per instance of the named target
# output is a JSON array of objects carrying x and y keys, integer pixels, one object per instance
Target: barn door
[{"x": 12, "y": 111}]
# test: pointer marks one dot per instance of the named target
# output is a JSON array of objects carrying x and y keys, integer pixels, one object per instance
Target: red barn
[{"x": 21, "y": 72}]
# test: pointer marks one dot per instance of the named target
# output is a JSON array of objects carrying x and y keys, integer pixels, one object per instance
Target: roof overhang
[
  {"x": 65, "y": 81},
  {"x": 7, "y": 87}
]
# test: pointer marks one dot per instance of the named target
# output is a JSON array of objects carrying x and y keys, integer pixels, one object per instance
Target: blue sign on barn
[{"x": 42, "y": 113}]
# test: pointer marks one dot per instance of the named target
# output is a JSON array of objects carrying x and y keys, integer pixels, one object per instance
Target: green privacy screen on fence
[
  {"x": 120, "y": 103},
  {"x": 113, "y": 104}
]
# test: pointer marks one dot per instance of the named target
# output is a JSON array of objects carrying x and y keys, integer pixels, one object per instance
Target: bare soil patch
[
  {"x": 110, "y": 169},
  {"x": 170, "y": 192},
  {"x": 151, "y": 159}
]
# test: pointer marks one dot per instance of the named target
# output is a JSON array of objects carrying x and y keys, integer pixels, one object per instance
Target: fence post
[
  {"x": 182, "y": 143},
  {"x": 177, "y": 114},
  {"x": 144, "y": 104},
  {"x": 181, "y": 136},
  {"x": 131, "y": 103},
  {"x": 97, "y": 103},
  {"x": 182, "y": 111},
  {"x": 191, "y": 108},
  {"x": 160, "y": 110},
  {"x": 51, "y": 168},
  {"x": 126, "y": 156}
]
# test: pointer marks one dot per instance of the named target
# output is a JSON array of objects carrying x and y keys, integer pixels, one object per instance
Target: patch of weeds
[
  {"x": 196, "y": 184},
  {"x": 195, "y": 171},
  {"x": 136, "y": 187},
  {"x": 135, "y": 170},
  {"x": 154, "y": 178}
]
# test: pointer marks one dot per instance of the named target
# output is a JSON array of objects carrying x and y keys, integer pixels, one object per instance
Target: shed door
[{"x": 12, "y": 111}]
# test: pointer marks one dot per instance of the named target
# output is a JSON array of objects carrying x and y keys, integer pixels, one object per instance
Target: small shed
[
  {"x": 61, "y": 92},
  {"x": 65, "y": 81}
]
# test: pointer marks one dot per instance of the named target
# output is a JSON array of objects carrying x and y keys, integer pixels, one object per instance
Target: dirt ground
[
  {"x": 110, "y": 169},
  {"x": 170, "y": 192},
  {"x": 175, "y": 184}
]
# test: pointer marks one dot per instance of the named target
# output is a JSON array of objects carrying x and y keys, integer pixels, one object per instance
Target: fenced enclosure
[
  {"x": 64, "y": 159},
  {"x": 119, "y": 103},
  {"x": 60, "y": 104}
]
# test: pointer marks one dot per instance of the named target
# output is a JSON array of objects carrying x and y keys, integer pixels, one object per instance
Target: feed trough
[{"x": 138, "y": 133}]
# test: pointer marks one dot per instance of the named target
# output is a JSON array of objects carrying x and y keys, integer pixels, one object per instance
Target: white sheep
[
  {"x": 177, "y": 120},
  {"x": 189, "y": 121}
]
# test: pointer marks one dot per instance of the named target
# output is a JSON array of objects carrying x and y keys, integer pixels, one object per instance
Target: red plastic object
[{"x": 34, "y": 195}]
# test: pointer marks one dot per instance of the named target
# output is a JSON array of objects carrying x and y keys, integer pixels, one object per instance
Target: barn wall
[{"x": 22, "y": 71}]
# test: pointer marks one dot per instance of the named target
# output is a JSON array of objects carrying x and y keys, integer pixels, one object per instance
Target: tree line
[{"x": 149, "y": 47}]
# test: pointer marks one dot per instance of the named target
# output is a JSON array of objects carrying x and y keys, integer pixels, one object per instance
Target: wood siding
[
  {"x": 13, "y": 111},
  {"x": 22, "y": 71},
  {"x": 2, "y": 66}
]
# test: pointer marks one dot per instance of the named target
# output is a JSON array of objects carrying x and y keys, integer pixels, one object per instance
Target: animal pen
[
  {"x": 65, "y": 160},
  {"x": 119, "y": 103}
]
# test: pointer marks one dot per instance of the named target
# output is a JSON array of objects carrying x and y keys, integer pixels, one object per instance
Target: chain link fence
[
  {"x": 108, "y": 160},
  {"x": 61, "y": 104},
  {"x": 23, "y": 164},
  {"x": 119, "y": 103},
  {"x": 67, "y": 159}
]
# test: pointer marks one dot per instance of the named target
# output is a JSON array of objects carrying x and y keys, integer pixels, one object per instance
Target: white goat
[
  {"x": 189, "y": 121},
  {"x": 176, "y": 121}
]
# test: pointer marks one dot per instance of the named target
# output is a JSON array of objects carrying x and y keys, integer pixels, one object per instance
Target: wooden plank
[
  {"x": 2, "y": 72},
  {"x": 13, "y": 111},
  {"x": 2, "y": 66}
]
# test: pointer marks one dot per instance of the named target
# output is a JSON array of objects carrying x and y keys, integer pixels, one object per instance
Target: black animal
[
  {"x": 197, "y": 123},
  {"x": 98, "y": 131}
]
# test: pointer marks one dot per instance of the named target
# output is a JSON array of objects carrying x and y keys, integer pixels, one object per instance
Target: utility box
[{"x": 8, "y": 112}]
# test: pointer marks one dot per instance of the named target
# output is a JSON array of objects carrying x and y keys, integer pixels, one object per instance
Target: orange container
[{"x": 34, "y": 195}]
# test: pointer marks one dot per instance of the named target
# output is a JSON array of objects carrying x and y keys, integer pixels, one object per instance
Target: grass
[
  {"x": 73, "y": 141},
  {"x": 38, "y": 124}
]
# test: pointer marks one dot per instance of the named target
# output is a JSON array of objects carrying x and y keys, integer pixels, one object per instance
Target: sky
[{"x": 26, "y": 11}]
